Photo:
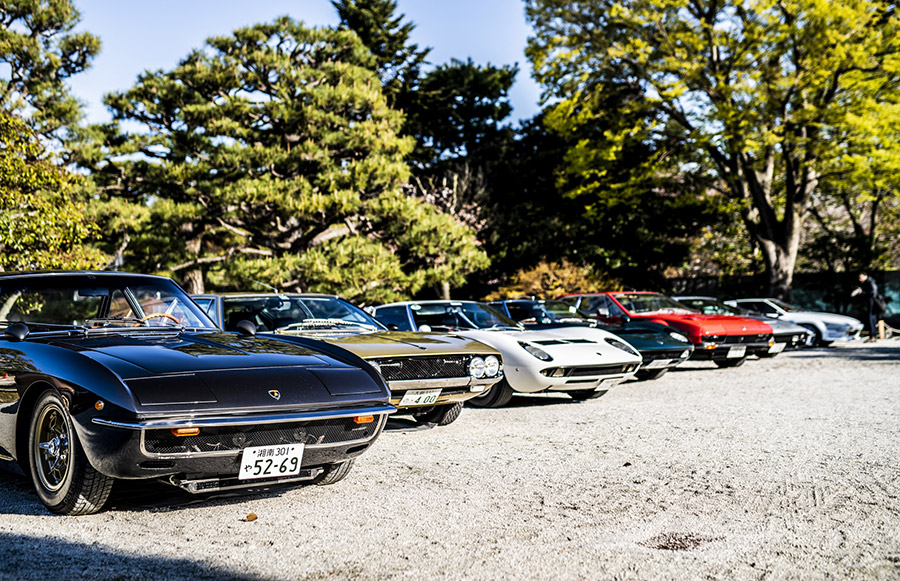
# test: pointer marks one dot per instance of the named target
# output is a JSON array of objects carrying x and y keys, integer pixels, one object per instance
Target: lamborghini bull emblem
[{"x": 275, "y": 394}]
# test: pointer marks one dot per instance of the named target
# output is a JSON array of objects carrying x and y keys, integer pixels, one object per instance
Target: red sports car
[{"x": 725, "y": 339}]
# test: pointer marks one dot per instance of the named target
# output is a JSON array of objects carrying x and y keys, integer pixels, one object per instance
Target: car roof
[
  {"x": 267, "y": 294},
  {"x": 94, "y": 273}
]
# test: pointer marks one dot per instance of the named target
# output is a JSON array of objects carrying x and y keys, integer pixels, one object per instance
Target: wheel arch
[{"x": 27, "y": 402}]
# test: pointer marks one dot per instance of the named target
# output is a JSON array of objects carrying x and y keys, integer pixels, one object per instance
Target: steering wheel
[{"x": 158, "y": 315}]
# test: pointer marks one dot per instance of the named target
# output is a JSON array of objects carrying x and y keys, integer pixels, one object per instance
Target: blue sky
[{"x": 156, "y": 35}]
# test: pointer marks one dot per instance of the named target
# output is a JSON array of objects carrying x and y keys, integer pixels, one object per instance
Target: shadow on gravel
[
  {"x": 27, "y": 557},
  {"x": 521, "y": 400},
  {"x": 885, "y": 350},
  {"x": 17, "y": 496}
]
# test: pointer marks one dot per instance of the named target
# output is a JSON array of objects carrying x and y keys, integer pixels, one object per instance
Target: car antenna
[{"x": 268, "y": 286}]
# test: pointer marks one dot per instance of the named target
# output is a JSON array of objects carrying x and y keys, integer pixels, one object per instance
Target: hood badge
[{"x": 275, "y": 394}]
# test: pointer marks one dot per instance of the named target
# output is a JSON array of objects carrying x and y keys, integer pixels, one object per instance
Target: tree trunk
[
  {"x": 193, "y": 282},
  {"x": 780, "y": 257},
  {"x": 443, "y": 290},
  {"x": 193, "y": 279}
]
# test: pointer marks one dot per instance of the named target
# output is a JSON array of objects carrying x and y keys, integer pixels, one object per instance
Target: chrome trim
[
  {"x": 405, "y": 384},
  {"x": 382, "y": 419},
  {"x": 185, "y": 484},
  {"x": 243, "y": 420}
]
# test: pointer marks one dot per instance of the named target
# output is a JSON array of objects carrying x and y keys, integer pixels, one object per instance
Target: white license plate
[
  {"x": 736, "y": 351},
  {"x": 420, "y": 397},
  {"x": 777, "y": 348},
  {"x": 271, "y": 461},
  {"x": 655, "y": 364}
]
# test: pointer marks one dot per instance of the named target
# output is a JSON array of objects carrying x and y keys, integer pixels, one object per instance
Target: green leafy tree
[
  {"x": 397, "y": 60},
  {"x": 39, "y": 53},
  {"x": 759, "y": 88},
  {"x": 42, "y": 226},
  {"x": 272, "y": 155}
]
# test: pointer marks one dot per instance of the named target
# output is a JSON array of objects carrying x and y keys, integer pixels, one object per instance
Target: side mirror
[
  {"x": 246, "y": 328},
  {"x": 424, "y": 328},
  {"x": 17, "y": 332}
]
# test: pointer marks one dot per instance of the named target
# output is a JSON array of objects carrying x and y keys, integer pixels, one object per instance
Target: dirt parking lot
[{"x": 782, "y": 468}]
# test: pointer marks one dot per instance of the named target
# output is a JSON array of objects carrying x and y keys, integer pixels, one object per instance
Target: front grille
[
  {"x": 437, "y": 367},
  {"x": 235, "y": 438},
  {"x": 598, "y": 370},
  {"x": 730, "y": 339},
  {"x": 662, "y": 354}
]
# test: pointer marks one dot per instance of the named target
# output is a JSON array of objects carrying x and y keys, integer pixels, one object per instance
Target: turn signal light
[
  {"x": 99, "y": 405},
  {"x": 364, "y": 419},
  {"x": 710, "y": 346},
  {"x": 183, "y": 432}
]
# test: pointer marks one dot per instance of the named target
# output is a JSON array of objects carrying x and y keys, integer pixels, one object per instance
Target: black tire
[
  {"x": 63, "y": 478},
  {"x": 334, "y": 473},
  {"x": 816, "y": 339},
  {"x": 730, "y": 362},
  {"x": 586, "y": 394},
  {"x": 651, "y": 374},
  {"x": 440, "y": 415},
  {"x": 498, "y": 395}
]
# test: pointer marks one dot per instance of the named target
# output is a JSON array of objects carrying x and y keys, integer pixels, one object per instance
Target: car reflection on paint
[
  {"x": 430, "y": 375},
  {"x": 111, "y": 376}
]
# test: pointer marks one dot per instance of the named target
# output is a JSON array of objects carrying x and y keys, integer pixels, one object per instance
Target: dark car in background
[
  {"x": 111, "y": 376},
  {"x": 787, "y": 335},
  {"x": 430, "y": 375},
  {"x": 662, "y": 348}
]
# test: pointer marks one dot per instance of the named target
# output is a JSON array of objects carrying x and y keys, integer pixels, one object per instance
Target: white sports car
[
  {"x": 581, "y": 361},
  {"x": 826, "y": 327}
]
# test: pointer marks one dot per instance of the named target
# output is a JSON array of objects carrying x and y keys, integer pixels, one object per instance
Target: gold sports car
[{"x": 430, "y": 374}]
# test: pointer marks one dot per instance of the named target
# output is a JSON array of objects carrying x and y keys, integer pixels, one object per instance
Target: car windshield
[
  {"x": 543, "y": 311},
  {"x": 650, "y": 303},
  {"x": 710, "y": 306},
  {"x": 459, "y": 315},
  {"x": 293, "y": 312},
  {"x": 786, "y": 306},
  {"x": 98, "y": 301}
]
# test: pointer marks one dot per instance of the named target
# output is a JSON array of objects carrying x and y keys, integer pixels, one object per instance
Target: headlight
[
  {"x": 539, "y": 353},
  {"x": 621, "y": 345},
  {"x": 491, "y": 366},
  {"x": 679, "y": 337},
  {"x": 476, "y": 367}
]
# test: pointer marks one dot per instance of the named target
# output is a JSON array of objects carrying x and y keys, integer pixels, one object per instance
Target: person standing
[{"x": 868, "y": 289}]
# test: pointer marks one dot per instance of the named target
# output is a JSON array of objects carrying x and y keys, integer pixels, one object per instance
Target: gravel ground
[{"x": 782, "y": 468}]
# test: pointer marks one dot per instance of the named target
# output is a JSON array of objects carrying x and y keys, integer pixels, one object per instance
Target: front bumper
[
  {"x": 723, "y": 351},
  {"x": 146, "y": 449},
  {"x": 664, "y": 358},
  {"x": 453, "y": 390},
  {"x": 571, "y": 378}
]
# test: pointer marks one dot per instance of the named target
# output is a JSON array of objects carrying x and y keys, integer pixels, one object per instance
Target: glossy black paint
[{"x": 171, "y": 374}]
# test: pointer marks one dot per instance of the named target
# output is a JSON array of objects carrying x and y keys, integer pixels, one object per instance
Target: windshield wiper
[
  {"x": 107, "y": 321},
  {"x": 307, "y": 323}
]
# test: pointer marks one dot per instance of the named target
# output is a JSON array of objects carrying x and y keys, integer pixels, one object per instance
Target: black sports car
[{"x": 113, "y": 375}]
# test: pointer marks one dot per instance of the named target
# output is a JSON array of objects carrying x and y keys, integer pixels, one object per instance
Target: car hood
[
  {"x": 713, "y": 324},
  {"x": 567, "y": 345},
  {"x": 778, "y": 325},
  {"x": 807, "y": 316},
  {"x": 184, "y": 352},
  {"x": 225, "y": 371},
  {"x": 409, "y": 344},
  {"x": 646, "y": 339}
]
